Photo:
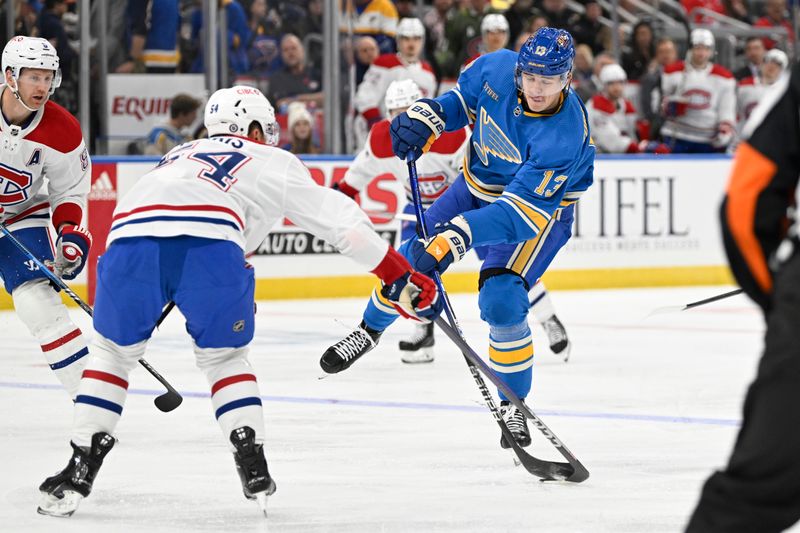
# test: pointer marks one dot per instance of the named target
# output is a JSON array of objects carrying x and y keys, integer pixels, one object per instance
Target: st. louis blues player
[
  {"x": 531, "y": 157},
  {"x": 181, "y": 234},
  {"x": 39, "y": 139}
]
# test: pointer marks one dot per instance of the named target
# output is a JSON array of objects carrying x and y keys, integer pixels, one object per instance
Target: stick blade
[
  {"x": 666, "y": 310},
  {"x": 169, "y": 401}
]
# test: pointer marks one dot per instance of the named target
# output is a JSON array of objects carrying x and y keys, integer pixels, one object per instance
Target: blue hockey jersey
[{"x": 525, "y": 165}]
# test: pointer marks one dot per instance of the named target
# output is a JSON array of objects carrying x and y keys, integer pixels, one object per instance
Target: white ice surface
[{"x": 650, "y": 406}]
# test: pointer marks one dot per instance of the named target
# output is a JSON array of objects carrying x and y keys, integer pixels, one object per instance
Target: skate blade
[
  {"x": 63, "y": 507},
  {"x": 261, "y": 499},
  {"x": 417, "y": 357},
  {"x": 565, "y": 353}
]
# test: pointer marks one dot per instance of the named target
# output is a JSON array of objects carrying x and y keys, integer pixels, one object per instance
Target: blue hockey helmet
[{"x": 549, "y": 52}]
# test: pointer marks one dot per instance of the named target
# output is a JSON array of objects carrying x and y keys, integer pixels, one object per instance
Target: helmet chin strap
[{"x": 15, "y": 92}]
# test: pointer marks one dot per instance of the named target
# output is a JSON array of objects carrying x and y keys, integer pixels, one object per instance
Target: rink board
[{"x": 646, "y": 221}]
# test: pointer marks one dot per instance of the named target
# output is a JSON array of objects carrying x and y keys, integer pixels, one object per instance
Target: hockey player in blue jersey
[{"x": 531, "y": 157}]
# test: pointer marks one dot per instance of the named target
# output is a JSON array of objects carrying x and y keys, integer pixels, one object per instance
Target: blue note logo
[{"x": 492, "y": 140}]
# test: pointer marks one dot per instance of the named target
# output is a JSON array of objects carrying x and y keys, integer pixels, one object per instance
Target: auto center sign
[{"x": 138, "y": 102}]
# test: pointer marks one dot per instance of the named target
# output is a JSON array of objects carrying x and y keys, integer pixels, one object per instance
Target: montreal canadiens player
[
  {"x": 530, "y": 159},
  {"x": 181, "y": 234},
  {"x": 437, "y": 170},
  {"x": 40, "y": 139}
]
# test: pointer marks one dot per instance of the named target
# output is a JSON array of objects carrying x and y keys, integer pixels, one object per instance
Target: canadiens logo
[
  {"x": 431, "y": 186},
  {"x": 697, "y": 99},
  {"x": 14, "y": 185}
]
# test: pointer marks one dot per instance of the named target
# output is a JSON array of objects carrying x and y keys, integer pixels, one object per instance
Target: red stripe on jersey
[
  {"x": 387, "y": 61},
  {"x": 722, "y": 72},
  {"x": 67, "y": 212},
  {"x": 165, "y": 207},
  {"x": 449, "y": 142},
  {"x": 230, "y": 380},
  {"x": 62, "y": 341},
  {"x": 105, "y": 376},
  {"x": 58, "y": 129},
  {"x": 29, "y": 211},
  {"x": 602, "y": 103},
  {"x": 674, "y": 67}
]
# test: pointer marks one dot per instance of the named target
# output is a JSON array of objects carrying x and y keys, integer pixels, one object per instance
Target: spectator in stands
[
  {"x": 314, "y": 20},
  {"x": 367, "y": 52},
  {"x": 494, "y": 35},
  {"x": 301, "y": 130},
  {"x": 642, "y": 50},
  {"x": 737, "y": 9},
  {"x": 650, "y": 96},
  {"x": 51, "y": 28},
  {"x": 437, "y": 49},
  {"x": 295, "y": 81},
  {"x": 613, "y": 118},
  {"x": 775, "y": 16},
  {"x": 376, "y": 18},
  {"x": 519, "y": 15},
  {"x": 521, "y": 39},
  {"x": 751, "y": 90},
  {"x": 463, "y": 32},
  {"x": 153, "y": 26},
  {"x": 699, "y": 100},
  {"x": 594, "y": 85},
  {"x": 405, "y": 64},
  {"x": 539, "y": 20},
  {"x": 406, "y": 8},
  {"x": 582, "y": 66},
  {"x": 238, "y": 37},
  {"x": 165, "y": 137},
  {"x": 557, "y": 13},
  {"x": 587, "y": 29},
  {"x": 263, "y": 49},
  {"x": 754, "y": 51},
  {"x": 700, "y": 18}
]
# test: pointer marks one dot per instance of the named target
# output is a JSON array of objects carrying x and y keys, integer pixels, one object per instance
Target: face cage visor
[{"x": 531, "y": 84}]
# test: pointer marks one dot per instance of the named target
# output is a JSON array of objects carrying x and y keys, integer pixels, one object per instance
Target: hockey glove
[
  {"x": 343, "y": 187},
  {"x": 72, "y": 250},
  {"x": 415, "y": 130},
  {"x": 653, "y": 147},
  {"x": 724, "y": 135},
  {"x": 412, "y": 294},
  {"x": 449, "y": 243},
  {"x": 674, "y": 107}
]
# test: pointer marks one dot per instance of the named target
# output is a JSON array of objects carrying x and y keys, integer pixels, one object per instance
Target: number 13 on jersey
[{"x": 549, "y": 185}]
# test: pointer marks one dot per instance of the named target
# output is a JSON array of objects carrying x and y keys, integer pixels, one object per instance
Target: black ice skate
[
  {"x": 251, "y": 466},
  {"x": 557, "y": 336},
  {"x": 515, "y": 420},
  {"x": 347, "y": 351},
  {"x": 419, "y": 348},
  {"x": 62, "y": 493}
]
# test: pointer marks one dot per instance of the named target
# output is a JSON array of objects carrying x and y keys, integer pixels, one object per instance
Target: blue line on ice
[{"x": 421, "y": 406}]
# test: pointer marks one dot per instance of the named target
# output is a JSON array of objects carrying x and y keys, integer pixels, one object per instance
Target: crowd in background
[{"x": 277, "y": 46}]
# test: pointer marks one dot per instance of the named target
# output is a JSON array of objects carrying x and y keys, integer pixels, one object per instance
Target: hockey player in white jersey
[
  {"x": 407, "y": 63},
  {"x": 750, "y": 91},
  {"x": 40, "y": 139},
  {"x": 181, "y": 234},
  {"x": 613, "y": 118},
  {"x": 437, "y": 169},
  {"x": 699, "y": 100}
]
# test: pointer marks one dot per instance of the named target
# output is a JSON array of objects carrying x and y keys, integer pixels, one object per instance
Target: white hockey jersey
[
  {"x": 613, "y": 124},
  {"x": 436, "y": 169},
  {"x": 707, "y": 97},
  {"x": 749, "y": 93},
  {"x": 231, "y": 188},
  {"x": 383, "y": 71},
  {"x": 50, "y": 147}
]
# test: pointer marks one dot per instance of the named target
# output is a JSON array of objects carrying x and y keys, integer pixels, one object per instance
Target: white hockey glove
[{"x": 72, "y": 251}]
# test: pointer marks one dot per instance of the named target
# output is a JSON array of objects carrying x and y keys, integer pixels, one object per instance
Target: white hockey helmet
[
  {"x": 401, "y": 94},
  {"x": 231, "y": 111},
  {"x": 778, "y": 57},
  {"x": 410, "y": 27},
  {"x": 494, "y": 22},
  {"x": 31, "y": 52},
  {"x": 611, "y": 73},
  {"x": 702, "y": 37}
]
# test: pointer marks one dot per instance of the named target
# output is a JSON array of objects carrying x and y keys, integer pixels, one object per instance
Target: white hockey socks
[
  {"x": 40, "y": 308},
  {"x": 103, "y": 389},
  {"x": 234, "y": 389},
  {"x": 541, "y": 304}
]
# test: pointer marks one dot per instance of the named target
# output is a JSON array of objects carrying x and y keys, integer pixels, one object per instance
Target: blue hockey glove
[
  {"x": 449, "y": 243},
  {"x": 72, "y": 251},
  {"x": 414, "y": 295},
  {"x": 415, "y": 130}
]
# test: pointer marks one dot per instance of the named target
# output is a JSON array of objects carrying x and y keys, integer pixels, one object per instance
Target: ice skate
[
  {"x": 63, "y": 492},
  {"x": 419, "y": 348},
  {"x": 515, "y": 420},
  {"x": 347, "y": 351},
  {"x": 557, "y": 336},
  {"x": 251, "y": 466}
]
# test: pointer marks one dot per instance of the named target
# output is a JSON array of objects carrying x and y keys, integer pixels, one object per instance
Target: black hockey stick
[
  {"x": 573, "y": 470},
  {"x": 676, "y": 308},
  {"x": 167, "y": 401}
]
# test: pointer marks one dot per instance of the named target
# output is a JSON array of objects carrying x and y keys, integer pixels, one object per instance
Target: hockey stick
[
  {"x": 167, "y": 401},
  {"x": 677, "y": 308},
  {"x": 573, "y": 470}
]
